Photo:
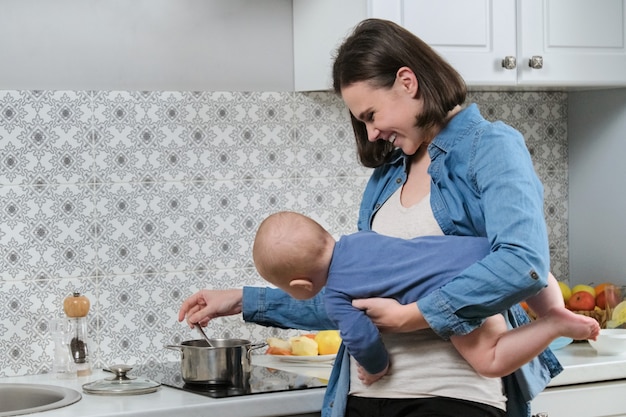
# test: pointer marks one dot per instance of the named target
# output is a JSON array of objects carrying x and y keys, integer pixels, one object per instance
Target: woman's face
[{"x": 388, "y": 114}]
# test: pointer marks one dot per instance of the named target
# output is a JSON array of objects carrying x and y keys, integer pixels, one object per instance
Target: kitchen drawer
[{"x": 600, "y": 399}]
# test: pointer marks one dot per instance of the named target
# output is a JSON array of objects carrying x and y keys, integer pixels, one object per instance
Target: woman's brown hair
[{"x": 374, "y": 52}]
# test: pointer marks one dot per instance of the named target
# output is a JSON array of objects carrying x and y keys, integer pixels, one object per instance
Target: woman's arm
[
  {"x": 502, "y": 199},
  {"x": 264, "y": 306},
  {"x": 274, "y": 307},
  {"x": 390, "y": 316},
  {"x": 205, "y": 305}
]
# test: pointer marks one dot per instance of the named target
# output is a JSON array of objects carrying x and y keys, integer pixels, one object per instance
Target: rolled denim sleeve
[{"x": 273, "y": 307}]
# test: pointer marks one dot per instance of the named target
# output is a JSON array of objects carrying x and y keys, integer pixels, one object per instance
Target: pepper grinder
[{"x": 76, "y": 307}]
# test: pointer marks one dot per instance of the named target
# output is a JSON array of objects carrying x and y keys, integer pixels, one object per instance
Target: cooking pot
[{"x": 227, "y": 362}]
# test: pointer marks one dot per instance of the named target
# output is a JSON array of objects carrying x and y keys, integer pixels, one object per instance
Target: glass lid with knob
[{"x": 121, "y": 383}]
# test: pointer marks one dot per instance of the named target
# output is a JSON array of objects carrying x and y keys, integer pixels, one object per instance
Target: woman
[{"x": 439, "y": 169}]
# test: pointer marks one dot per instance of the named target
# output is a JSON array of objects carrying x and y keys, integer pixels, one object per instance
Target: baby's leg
[
  {"x": 547, "y": 299},
  {"x": 494, "y": 351}
]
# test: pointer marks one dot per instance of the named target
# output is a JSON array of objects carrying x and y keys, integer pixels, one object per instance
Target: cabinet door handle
[
  {"x": 536, "y": 62},
  {"x": 509, "y": 62}
]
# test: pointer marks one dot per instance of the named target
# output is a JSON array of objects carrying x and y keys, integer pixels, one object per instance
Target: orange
[
  {"x": 600, "y": 287},
  {"x": 273, "y": 350}
]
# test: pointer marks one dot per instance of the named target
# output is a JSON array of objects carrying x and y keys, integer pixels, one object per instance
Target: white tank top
[{"x": 422, "y": 364}]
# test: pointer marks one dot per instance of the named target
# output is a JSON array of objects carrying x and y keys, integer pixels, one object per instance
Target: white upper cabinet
[
  {"x": 582, "y": 42},
  {"x": 529, "y": 43},
  {"x": 475, "y": 36}
]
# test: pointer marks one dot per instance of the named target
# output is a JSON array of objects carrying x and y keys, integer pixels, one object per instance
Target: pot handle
[
  {"x": 259, "y": 345},
  {"x": 175, "y": 347}
]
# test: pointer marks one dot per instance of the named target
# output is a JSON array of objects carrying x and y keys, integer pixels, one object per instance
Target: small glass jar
[{"x": 63, "y": 363}]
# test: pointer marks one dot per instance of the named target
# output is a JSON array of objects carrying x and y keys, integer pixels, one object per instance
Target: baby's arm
[
  {"x": 360, "y": 336},
  {"x": 494, "y": 351}
]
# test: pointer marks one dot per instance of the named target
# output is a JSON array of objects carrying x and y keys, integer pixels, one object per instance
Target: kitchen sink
[{"x": 19, "y": 399}]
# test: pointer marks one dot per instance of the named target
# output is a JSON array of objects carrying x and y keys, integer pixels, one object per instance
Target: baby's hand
[{"x": 367, "y": 378}]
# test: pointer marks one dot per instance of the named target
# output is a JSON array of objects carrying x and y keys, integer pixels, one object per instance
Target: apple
[
  {"x": 583, "y": 287},
  {"x": 609, "y": 300},
  {"x": 609, "y": 297},
  {"x": 581, "y": 301}
]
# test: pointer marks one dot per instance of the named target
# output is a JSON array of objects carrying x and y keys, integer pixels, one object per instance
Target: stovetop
[{"x": 262, "y": 380}]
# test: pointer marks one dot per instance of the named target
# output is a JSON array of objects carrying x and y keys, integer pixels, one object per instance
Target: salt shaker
[
  {"x": 63, "y": 365},
  {"x": 76, "y": 307}
]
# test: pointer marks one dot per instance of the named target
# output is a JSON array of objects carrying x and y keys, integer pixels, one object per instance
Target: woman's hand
[
  {"x": 391, "y": 316},
  {"x": 206, "y": 305}
]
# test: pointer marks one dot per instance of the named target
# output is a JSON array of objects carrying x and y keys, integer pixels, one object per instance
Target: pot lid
[{"x": 121, "y": 384}]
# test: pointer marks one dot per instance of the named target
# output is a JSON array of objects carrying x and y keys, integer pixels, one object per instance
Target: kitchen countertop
[
  {"x": 580, "y": 361},
  {"x": 582, "y": 364},
  {"x": 167, "y": 401}
]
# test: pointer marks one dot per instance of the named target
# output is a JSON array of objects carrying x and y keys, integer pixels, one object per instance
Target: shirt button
[
  {"x": 398, "y": 180},
  {"x": 534, "y": 275}
]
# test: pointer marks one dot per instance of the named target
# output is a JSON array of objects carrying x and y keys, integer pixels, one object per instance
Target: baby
[{"x": 299, "y": 256}]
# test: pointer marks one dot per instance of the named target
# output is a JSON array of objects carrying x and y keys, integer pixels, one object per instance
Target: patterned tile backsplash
[{"x": 138, "y": 199}]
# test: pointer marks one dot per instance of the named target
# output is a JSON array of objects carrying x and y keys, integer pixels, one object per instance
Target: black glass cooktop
[{"x": 262, "y": 380}]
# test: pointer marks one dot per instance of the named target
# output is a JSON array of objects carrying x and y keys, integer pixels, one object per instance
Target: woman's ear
[
  {"x": 301, "y": 283},
  {"x": 407, "y": 80}
]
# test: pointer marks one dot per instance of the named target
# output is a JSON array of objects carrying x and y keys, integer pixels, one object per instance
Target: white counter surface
[
  {"x": 580, "y": 361},
  {"x": 167, "y": 402},
  {"x": 582, "y": 364}
]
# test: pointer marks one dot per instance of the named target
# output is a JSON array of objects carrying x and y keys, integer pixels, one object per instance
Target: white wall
[
  {"x": 597, "y": 189},
  {"x": 209, "y": 45}
]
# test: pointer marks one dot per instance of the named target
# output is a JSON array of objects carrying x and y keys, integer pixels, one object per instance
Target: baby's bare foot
[{"x": 573, "y": 325}]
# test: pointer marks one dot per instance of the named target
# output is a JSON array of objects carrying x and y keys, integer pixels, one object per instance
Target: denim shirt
[{"x": 483, "y": 184}]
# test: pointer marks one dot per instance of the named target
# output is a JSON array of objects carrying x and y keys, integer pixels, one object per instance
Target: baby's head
[{"x": 293, "y": 252}]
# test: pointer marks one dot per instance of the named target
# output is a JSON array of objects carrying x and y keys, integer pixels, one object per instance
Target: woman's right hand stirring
[{"x": 205, "y": 305}]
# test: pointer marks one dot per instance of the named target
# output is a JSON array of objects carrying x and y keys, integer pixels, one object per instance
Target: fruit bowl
[
  {"x": 599, "y": 315},
  {"x": 610, "y": 342}
]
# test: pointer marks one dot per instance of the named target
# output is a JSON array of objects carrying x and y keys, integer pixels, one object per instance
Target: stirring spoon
[{"x": 201, "y": 330}]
